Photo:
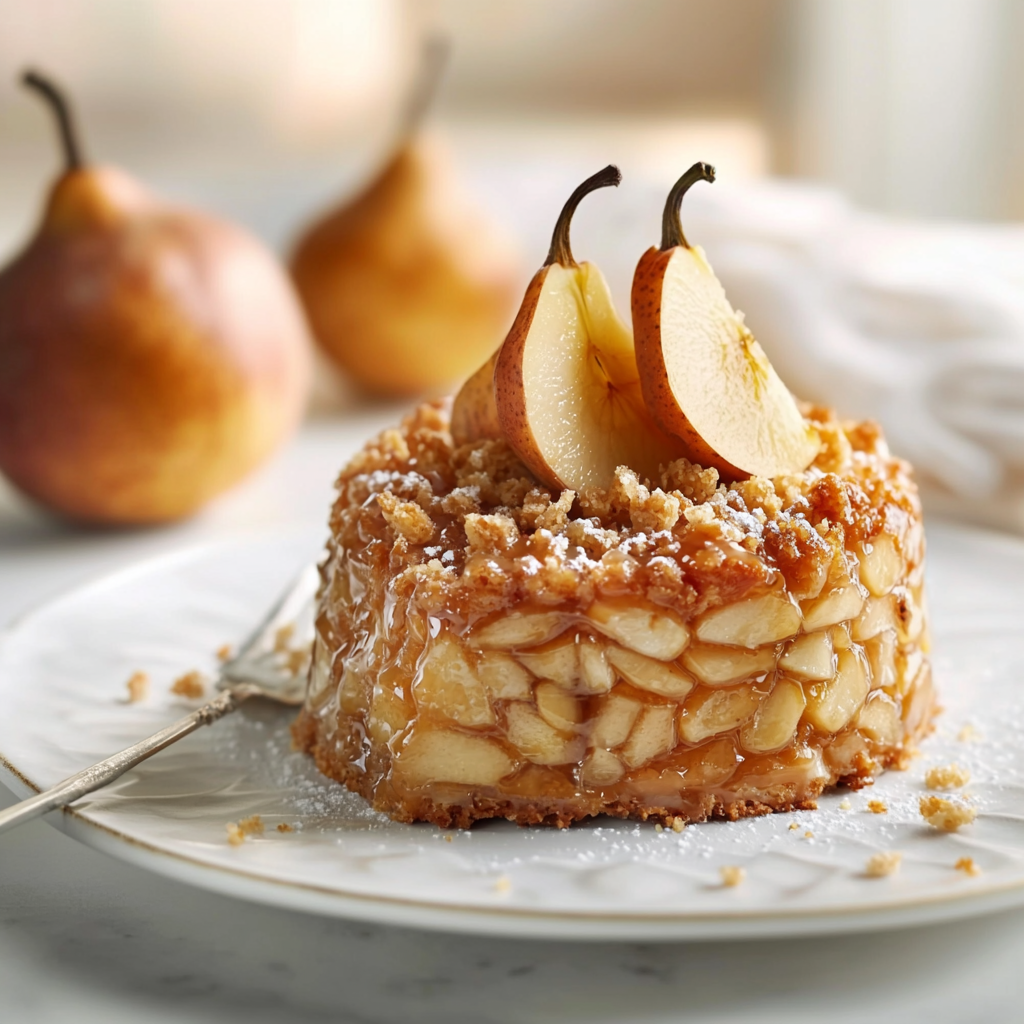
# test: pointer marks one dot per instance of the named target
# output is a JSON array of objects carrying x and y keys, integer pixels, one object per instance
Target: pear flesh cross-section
[
  {"x": 581, "y": 388},
  {"x": 720, "y": 378}
]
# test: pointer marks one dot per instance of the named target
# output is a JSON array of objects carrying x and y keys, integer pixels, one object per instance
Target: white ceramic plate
[{"x": 62, "y": 687}]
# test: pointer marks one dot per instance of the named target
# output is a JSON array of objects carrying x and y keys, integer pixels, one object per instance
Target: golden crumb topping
[{"x": 470, "y": 528}]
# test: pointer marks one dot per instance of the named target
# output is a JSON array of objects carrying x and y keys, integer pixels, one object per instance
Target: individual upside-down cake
[{"x": 513, "y": 626}]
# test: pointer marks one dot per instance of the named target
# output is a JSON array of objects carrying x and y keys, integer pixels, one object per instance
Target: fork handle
[{"x": 104, "y": 772}]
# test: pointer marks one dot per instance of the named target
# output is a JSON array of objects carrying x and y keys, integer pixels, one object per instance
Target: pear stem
[
  {"x": 671, "y": 226},
  {"x": 62, "y": 110},
  {"x": 433, "y": 61},
  {"x": 560, "y": 252}
]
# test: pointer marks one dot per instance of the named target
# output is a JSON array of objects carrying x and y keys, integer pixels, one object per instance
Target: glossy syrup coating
[{"x": 668, "y": 649}]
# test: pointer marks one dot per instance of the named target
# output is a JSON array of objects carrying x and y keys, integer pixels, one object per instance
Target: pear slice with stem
[
  {"x": 705, "y": 378},
  {"x": 566, "y": 383}
]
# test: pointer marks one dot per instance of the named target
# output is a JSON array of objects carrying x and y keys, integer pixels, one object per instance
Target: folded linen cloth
[{"x": 919, "y": 325}]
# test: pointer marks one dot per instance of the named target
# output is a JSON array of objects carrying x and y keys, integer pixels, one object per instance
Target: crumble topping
[
  {"x": 732, "y": 875},
  {"x": 471, "y": 525},
  {"x": 190, "y": 686},
  {"x": 950, "y": 776},
  {"x": 945, "y": 814},
  {"x": 138, "y": 687},
  {"x": 880, "y": 865}
]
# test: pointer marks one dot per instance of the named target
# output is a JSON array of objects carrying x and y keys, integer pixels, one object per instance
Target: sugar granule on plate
[
  {"x": 732, "y": 875},
  {"x": 945, "y": 814},
  {"x": 950, "y": 776},
  {"x": 880, "y": 865},
  {"x": 190, "y": 686},
  {"x": 968, "y": 866},
  {"x": 138, "y": 687},
  {"x": 845, "y": 805}
]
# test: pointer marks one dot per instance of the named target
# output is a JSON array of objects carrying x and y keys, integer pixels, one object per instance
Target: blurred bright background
[{"x": 854, "y": 139}]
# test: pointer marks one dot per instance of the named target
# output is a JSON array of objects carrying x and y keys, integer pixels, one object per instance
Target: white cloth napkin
[{"x": 918, "y": 325}]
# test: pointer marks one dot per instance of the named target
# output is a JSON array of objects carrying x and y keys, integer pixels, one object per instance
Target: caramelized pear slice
[{"x": 704, "y": 377}]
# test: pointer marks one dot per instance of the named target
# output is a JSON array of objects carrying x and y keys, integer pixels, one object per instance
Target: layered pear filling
[{"x": 670, "y": 647}]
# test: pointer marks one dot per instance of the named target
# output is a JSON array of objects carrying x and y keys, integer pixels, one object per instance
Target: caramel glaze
[{"x": 394, "y": 580}]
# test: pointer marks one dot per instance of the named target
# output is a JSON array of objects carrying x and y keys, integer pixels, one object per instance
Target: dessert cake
[
  {"x": 625, "y": 576},
  {"x": 488, "y": 648}
]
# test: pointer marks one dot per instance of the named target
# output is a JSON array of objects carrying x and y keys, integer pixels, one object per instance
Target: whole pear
[
  {"x": 409, "y": 286},
  {"x": 150, "y": 355}
]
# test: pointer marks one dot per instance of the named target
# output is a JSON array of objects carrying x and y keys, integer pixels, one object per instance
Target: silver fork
[{"x": 255, "y": 671}]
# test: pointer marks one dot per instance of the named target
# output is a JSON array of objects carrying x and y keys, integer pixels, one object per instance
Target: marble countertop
[{"x": 87, "y": 938}]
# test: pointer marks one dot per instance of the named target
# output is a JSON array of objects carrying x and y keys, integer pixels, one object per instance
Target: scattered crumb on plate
[
  {"x": 732, "y": 875},
  {"x": 285, "y": 827},
  {"x": 503, "y": 884},
  {"x": 138, "y": 687},
  {"x": 224, "y": 652},
  {"x": 190, "y": 686},
  {"x": 237, "y": 831},
  {"x": 968, "y": 734},
  {"x": 878, "y": 807},
  {"x": 944, "y": 814},
  {"x": 967, "y": 866},
  {"x": 880, "y": 865},
  {"x": 844, "y": 804},
  {"x": 950, "y": 776}
]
